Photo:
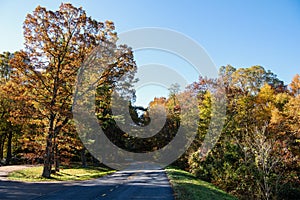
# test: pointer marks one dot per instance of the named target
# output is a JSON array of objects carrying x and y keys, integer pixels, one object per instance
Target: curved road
[{"x": 131, "y": 184}]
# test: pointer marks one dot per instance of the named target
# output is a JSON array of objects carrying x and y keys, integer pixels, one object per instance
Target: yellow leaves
[
  {"x": 295, "y": 85},
  {"x": 266, "y": 94},
  {"x": 157, "y": 102},
  {"x": 36, "y": 105},
  {"x": 292, "y": 109},
  {"x": 276, "y": 116},
  {"x": 109, "y": 24},
  {"x": 264, "y": 102}
]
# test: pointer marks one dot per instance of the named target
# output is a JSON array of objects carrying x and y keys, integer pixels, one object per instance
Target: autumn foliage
[{"x": 256, "y": 157}]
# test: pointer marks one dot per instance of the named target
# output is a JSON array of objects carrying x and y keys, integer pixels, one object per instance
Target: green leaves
[{"x": 259, "y": 148}]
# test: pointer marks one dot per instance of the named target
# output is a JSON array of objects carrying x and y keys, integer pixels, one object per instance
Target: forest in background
[{"x": 256, "y": 157}]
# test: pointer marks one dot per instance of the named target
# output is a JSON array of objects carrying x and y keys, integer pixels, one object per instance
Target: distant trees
[
  {"x": 5, "y": 68},
  {"x": 5, "y": 104},
  {"x": 257, "y": 154},
  {"x": 8, "y": 130}
]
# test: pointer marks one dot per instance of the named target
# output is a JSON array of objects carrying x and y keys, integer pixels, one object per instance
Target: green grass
[
  {"x": 186, "y": 186},
  {"x": 33, "y": 174}
]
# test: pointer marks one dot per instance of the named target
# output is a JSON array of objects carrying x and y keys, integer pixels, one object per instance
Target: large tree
[{"x": 56, "y": 44}]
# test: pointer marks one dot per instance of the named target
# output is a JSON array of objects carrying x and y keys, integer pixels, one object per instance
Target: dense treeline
[{"x": 256, "y": 156}]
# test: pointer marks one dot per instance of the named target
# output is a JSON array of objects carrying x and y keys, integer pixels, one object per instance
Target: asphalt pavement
[{"x": 125, "y": 185}]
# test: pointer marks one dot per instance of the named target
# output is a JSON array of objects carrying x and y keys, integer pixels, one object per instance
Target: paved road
[{"x": 131, "y": 184}]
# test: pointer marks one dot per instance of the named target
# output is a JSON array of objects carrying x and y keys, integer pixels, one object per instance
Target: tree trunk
[
  {"x": 1, "y": 147},
  {"x": 8, "y": 150},
  {"x": 47, "y": 157},
  {"x": 83, "y": 157},
  {"x": 3, "y": 138},
  {"x": 56, "y": 156},
  {"x": 49, "y": 149}
]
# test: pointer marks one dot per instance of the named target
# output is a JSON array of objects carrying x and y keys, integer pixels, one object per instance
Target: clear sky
[{"x": 240, "y": 33}]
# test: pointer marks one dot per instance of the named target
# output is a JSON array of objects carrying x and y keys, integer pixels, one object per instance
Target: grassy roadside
[
  {"x": 33, "y": 174},
  {"x": 188, "y": 187}
]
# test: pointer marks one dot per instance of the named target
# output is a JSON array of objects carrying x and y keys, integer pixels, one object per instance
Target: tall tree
[{"x": 56, "y": 43}]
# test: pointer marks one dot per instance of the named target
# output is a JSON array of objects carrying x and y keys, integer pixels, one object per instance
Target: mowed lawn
[
  {"x": 73, "y": 173},
  {"x": 188, "y": 187}
]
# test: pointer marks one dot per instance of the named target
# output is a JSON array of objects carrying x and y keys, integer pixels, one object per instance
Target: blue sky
[{"x": 240, "y": 33}]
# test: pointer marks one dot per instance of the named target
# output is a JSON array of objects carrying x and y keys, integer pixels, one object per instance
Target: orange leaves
[
  {"x": 110, "y": 25},
  {"x": 295, "y": 85}
]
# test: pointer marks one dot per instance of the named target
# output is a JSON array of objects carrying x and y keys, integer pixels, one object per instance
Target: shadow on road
[{"x": 140, "y": 184}]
